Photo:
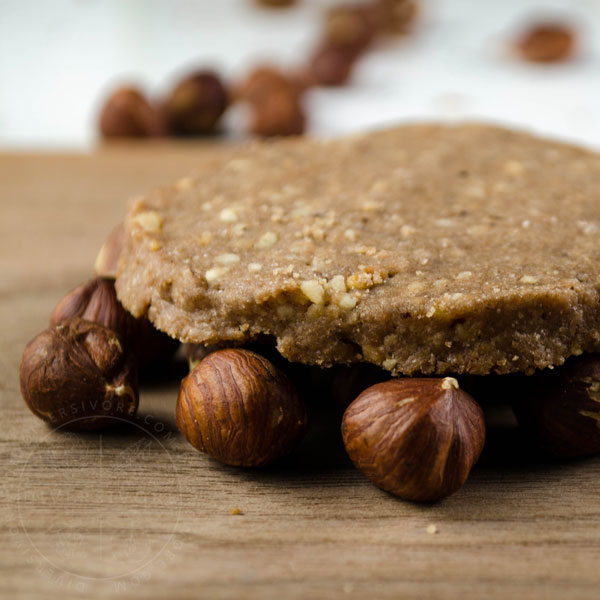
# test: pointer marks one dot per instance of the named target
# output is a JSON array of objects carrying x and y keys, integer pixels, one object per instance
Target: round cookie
[{"x": 423, "y": 249}]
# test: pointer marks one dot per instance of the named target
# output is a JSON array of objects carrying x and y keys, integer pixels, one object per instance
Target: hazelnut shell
[
  {"x": 195, "y": 104},
  {"x": 127, "y": 113},
  {"x": 97, "y": 301},
  {"x": 240, "y": 409},
  {"x": 416, "y": 438},
  {"x": 77, "y": 375},
  {"x": 546, "y": 43}
]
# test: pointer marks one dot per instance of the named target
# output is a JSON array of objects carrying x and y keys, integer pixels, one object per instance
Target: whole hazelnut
[
  {"x": 416, "y": 438},
  {"x": 238, "y": 408},
  {"x": 352, "y": 27},
  {"x": 278, "y": 113},
  {"x": 97, "y": 301},
  {"x": 261, "y": 81},
  {"x": 127, "y": 113},
  {"x": 561, "y": 408},
  {"x": 331, "y": 65},
  {"x": 196, "y": 104},
  {"x": 77, "y": 375},
  {"x": 546, "y": 42}
]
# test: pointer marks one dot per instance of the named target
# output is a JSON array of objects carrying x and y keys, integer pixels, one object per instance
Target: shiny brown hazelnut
[
  {"x": 416, "y": 438},
  {"x": 546, "y": 42},
  {"x": 196, "y": 104},
  {"x": 77, "y": 375},
  {"x": 238, "y": 408},
  {"x": 332, "y": 65},
  {"x": 97, "y": 301},
  {"x": 560, "y": 408},
  {"x": 279, "y": 113},
  {"x": 127, "y": 113},
  {"x": 107, "y": 258}
]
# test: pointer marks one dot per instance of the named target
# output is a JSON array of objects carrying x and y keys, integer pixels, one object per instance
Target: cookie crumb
[{"x": 236, "y": 511}]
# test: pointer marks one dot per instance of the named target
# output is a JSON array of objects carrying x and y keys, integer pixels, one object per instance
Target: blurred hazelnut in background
[
  {"x": 196, "y": 104},
  {"x": 546, "y": 43},
  {"x": 127, "y": 113}
]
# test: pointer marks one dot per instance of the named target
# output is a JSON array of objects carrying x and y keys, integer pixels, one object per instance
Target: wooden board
[{"x": 138, "y": 513}]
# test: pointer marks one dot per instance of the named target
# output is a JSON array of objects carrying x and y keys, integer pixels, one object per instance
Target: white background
[{"x": 59, "y": 58}]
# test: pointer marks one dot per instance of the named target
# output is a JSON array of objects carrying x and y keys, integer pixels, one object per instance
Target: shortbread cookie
[{"x": 423, "y": 249}]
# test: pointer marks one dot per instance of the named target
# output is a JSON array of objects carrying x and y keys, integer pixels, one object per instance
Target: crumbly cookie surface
[{"x": 423, "y": 249}]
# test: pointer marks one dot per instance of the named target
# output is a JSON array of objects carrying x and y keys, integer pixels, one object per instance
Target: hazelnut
[
  {"x": 261, "y": 81},
  {"x": 416, "y": 438},
  {"x": 108, "y": 256},
  {"x": 238, "y": 408},
  {"x": 279, "y": 113},
  {"x": 352, "y": 27},
  {"x": 126, "y": 113},
  {"x": 397, "y": 16},
  {"x": 77, "y": 375},
  {"x": 561, "y": 408},
  {"x": 332, "y": 65},
  {"x": 97, "y": 301},
  {"x": 196, "y": 104},
  {"x": 546, "y": 42}
]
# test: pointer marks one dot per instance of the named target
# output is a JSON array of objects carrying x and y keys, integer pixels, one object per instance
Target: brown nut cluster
[
  {"x": 560, "y": 409},
  {"x": 127, "y": 113},
  {"x": 416, "y": 438},
  {"x": 196, "y": 104},
  {"x": 97, "y": 301},
  {"x": 546, "y": 43},
  {"x": 78, "y": 376},
  {"x": 238, "y": 408}
]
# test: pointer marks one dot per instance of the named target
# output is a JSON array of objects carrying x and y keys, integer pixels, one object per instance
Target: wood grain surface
[{"x": 135, "y": 512}]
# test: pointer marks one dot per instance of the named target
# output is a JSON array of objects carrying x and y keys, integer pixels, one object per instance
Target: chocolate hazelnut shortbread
[{"x": 423, "y": 249}]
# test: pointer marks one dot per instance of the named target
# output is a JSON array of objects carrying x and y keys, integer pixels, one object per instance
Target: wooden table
[{"x": 139, "y": 514}]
